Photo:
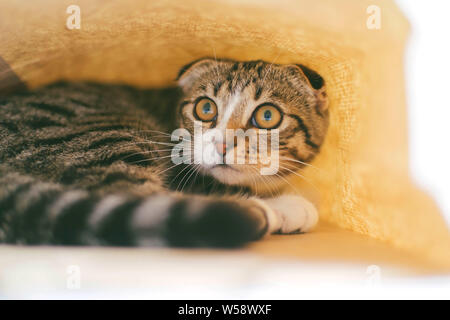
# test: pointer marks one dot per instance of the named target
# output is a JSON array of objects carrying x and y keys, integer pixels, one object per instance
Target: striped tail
[{"x": 35, "y": 212}]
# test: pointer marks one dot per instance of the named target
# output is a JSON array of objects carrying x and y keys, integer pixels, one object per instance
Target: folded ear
[
  {"x": 316, "y": 82},
  {"x": 194, "y": 69},
  {"x": 314, "y": 79}
]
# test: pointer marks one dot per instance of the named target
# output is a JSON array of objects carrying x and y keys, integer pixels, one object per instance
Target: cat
[{"x": 90, "y": 164}]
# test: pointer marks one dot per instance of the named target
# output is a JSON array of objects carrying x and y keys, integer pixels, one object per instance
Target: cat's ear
[
  {"x": 316, "y": 82},
  {"x": 313, "y": 78},
  {"x": 190, "y": 72}
]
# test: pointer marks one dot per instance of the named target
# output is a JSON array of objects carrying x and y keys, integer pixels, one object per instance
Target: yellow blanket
[{"x": 363, "y": 182}]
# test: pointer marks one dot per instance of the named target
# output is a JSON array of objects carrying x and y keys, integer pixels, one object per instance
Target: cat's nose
[{"x": 221, "y": 148}]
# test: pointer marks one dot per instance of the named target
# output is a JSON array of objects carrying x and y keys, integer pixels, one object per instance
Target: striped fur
[
  {"x": 88, "y": 164},
  {"x": 35, "y": 212},
  {"x": 75, "y": 170}
]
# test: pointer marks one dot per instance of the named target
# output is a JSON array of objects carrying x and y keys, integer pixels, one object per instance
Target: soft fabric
[{"x": 362, "y": 183}]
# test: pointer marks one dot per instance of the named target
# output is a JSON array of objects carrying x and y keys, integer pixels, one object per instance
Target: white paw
[{"x": 292, "y": 214}]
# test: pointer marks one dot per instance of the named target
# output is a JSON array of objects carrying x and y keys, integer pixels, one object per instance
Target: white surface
[
  {"x": 107, "y": 273},
  {"x": 428, "y": 93}
]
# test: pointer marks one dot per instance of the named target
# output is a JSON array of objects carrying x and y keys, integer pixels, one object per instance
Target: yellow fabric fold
[{"x": 362, "y": 182}]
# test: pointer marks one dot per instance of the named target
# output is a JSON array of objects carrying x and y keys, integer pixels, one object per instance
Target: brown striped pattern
[{"x": 84, "y": 163}]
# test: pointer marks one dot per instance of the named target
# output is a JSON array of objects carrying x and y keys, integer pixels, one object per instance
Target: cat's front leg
[{"x": 288, "y": 214}]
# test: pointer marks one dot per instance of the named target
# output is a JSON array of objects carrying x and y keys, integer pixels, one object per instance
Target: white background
[{"x": 428, "y": 93}]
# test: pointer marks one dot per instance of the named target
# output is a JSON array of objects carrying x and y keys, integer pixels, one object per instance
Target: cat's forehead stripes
[
  {"x": 228, "y": 111},
  {"x": 238, "y": 109},
  {"x": 239, "y": 88},
  {"x": 234, "y": 77}
]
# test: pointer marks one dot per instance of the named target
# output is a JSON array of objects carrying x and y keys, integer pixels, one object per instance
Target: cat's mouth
[
  {"x": 228, "y": 174},
  {"x": 224, "y": 166}
]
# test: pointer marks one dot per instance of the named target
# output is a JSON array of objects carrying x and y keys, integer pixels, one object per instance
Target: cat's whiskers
[
  {"x": 264, "y": 177},
  {"x": 287, "y": 181},
  {"x": 144, "y": 152},
  {"x": 255, "y": 183},
  {"x": 190, "y": 172},
  {"x": 300, "y": 176},
  {"x": 161, "y": 132},
  {"x": 264, "y": 180},
  {"x": 196, "y": 171},
  {"x": 150, "y": 159},
  {"x": 175, "y": 178},
  {"x": 184, "y": 176},
  {"x": 301, "y": 162},
  {"x": 272, "y": 179},
  {"x": 167, "y": 169},
  {"x": 149, "y": 142},
  {"x": 152, "y": 151}
]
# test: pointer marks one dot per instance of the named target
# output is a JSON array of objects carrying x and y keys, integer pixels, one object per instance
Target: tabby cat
[{"x": 90, "y": 164}]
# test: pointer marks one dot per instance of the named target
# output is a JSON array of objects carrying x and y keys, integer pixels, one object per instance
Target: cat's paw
[
  {"x": 217, "y": 222},
  {"x": 291, "y": 214}
]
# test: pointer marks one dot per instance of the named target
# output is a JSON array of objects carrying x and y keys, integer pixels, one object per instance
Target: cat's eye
[
  {"x": 267, "y": 116},
  {"x": 205, "y": 110}
]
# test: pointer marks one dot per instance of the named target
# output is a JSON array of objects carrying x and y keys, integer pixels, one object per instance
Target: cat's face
[{"x": 257, "y": 97}]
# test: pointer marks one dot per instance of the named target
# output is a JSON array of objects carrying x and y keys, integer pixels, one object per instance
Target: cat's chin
[
  {"x": 229, "y": 175},
  {"x": 234, "y": 177}
]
